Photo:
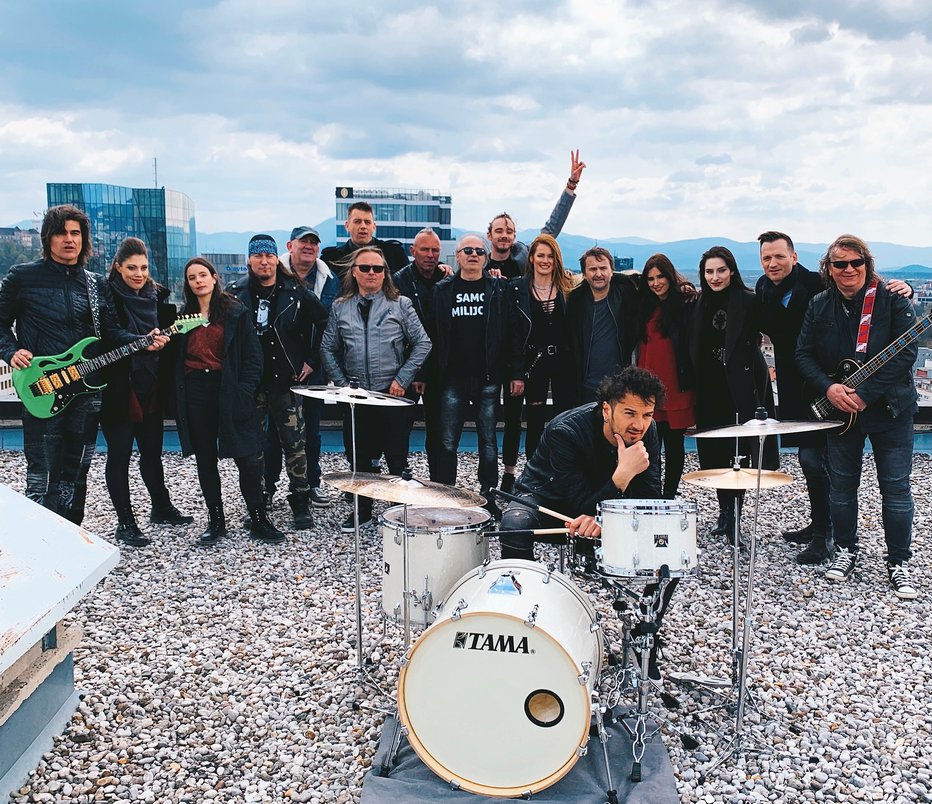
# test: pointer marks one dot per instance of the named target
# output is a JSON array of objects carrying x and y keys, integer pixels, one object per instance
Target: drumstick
[
  {"x": 532, "y": 506},
  {"x": 534, "y": 532}
]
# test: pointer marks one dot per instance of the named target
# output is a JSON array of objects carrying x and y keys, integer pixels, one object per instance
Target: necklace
[{"x": 542, "y": 291}]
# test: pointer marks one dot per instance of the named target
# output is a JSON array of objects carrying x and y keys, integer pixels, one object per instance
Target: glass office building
[
  {"x": 399, "y": 213},
  {"x": 162, "y": 219}
]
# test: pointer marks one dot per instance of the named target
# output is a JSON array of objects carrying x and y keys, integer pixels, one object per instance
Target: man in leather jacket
[
  {"x": 290, "y": 322},
  {"x": 49, "y": 303},
  {"x": 361, "y": 226}
]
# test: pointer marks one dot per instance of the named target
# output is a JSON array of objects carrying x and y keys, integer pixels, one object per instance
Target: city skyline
[{"x": 716, "y": 119}]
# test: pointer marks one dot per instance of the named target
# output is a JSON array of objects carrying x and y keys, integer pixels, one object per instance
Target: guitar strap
[
  {"x": 867, "y": 311},
  {"x": 93, "y": 299}
]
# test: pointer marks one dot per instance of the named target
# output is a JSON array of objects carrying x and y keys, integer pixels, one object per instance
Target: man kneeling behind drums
[{"x": 587, "y": 455}]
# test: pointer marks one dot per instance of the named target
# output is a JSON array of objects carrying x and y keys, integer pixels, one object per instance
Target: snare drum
[
  {"x": 640, "y": 536},
  {"x": 443, "y": 544},
  {"x": 496, "y": 695}
]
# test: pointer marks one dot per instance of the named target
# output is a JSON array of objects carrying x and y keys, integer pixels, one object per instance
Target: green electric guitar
[{"x": 48, "y": 384}]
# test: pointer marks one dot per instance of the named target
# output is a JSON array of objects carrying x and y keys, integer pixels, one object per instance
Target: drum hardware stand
[{"x": 738, "y": 744}]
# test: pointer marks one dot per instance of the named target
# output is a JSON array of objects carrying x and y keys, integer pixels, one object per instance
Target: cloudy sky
[{"x": 695, "y": 118}]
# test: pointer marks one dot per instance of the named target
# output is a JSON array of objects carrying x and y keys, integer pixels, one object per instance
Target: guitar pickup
[
  {"x": 56, "y": 381},
  {"x": 73, "y": 373}
]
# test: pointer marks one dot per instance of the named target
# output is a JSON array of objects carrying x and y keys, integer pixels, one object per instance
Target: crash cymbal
[
  {"x": 406, "y": 492},
  {"x": 737, "y": 480},
  {"x": 347, "y": 393},
  {"x": 764, "y": 427}
]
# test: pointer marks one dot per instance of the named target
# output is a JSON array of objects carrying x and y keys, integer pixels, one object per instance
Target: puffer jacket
[
  {"x": 392, "y": 345},
  {"x": 49, "y": 305}
]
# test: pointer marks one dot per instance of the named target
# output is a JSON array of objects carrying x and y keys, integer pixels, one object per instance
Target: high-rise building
[
  {"x": 230, "y": 267},
  {"x": 162, "y": 219},
  {"x": 399, "y": 213}
]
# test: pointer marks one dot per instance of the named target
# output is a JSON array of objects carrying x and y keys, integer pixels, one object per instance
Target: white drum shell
[
  {"x": 443, "y": 544},
  {"x": 463, "y": 691},
  {"x": 640, "y": 536}
]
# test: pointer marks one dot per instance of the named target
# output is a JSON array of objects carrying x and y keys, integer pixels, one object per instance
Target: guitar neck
[
  {"x": 889, "y": 352},
  {"x": 121, "y": 352}
]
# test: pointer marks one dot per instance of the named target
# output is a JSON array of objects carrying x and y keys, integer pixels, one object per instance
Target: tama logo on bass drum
[{"x": 494, "y": 643}]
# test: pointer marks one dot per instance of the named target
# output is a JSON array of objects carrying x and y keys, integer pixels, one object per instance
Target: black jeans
[
  {"x": 674, "y": 457},
  {"x": 148, "y": 436},
  {"x": 457, "y": 395},
  {"x": 430, "y": 402},
  {"x": 814, "y": 463},
  {"x": 203, "y": 399},
  {"x": 58, "y": 454}
]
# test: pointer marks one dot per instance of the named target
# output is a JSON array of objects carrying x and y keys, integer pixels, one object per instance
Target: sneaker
[
  {"x": 903, "y": 586},
  {"x": 349, "y": 524},
  {"x": 319, "y": 498},
  {"x": 842, "y": 566}
]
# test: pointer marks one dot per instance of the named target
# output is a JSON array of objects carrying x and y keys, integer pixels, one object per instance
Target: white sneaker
[{"x": 903, "y": 586}]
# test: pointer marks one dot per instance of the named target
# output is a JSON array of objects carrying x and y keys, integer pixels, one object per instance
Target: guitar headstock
[{"x": 185, "y": 323}]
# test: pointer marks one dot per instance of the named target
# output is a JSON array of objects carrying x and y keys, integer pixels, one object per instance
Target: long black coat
[
  {"x": 240, "y": 433},
  {"x": 782, "y": 325},
  {"x": 748, "y": 378},
  {"x": 115, "y": 397}
]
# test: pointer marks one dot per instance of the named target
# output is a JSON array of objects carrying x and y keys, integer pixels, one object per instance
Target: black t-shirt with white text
[{"x": 467, "y": 328}]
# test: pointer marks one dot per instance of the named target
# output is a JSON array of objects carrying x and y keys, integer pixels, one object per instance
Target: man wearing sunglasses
[
  {"x": 470, "y": 359},
  {"x": 857, "y": 318},
  {"x": 290, "y": 322}
]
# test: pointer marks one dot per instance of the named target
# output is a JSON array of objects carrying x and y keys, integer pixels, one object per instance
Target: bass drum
[
  {"x": 496, "y": 695},
  {"x": 443, "y": 543}
]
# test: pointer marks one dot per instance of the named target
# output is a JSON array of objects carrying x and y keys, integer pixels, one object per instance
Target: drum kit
[{"x": 520, "y": 638}]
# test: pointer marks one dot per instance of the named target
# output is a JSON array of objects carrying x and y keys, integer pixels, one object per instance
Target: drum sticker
[
  {"x": 493, "y": 643},
  {"x": 388, "y": 568},
  {"x": 506, "y": 584},
  {"x": 661, "y": 540}
]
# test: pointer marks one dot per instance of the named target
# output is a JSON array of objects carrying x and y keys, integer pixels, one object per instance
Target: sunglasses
[
  {"x": 366, "y": 268},
  {"x": 479, "y": 252},
  {"x": 842, "y": 264}
]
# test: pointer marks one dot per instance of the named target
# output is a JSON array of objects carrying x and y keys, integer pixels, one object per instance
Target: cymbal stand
[{"x": 738, "y": 743}]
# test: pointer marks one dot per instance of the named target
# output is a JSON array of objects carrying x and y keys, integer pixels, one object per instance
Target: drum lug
[
  {"x": 404, "y": 731},
  {"x": 396, "y": 611},
  {"x": 684, "y": 522},
  {"x": 454, "y": 785},
  {"x": 427, "y": 598},
  {"x": 636, "y": 560},
  {"x": 583, "y": 677},
  {"x": 684, "y": 559},
  {"x": 531, "y": 620},
  {"x": 634, "y": 520},
  {"x": 406, "y": 657},
  {"x": 457, "y": 612},
  {"x": 582, "y": 751},
  {"x": 440, "y": 542},
  {"x": 551, "y": 568},
  {"x": 482, "y": 567},
  {"x": 398, "y": 537},
  {"x": 593, "y": 627}
]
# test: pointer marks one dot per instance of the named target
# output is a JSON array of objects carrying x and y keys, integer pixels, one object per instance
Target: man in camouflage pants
[{"x": 290, "y": 322}]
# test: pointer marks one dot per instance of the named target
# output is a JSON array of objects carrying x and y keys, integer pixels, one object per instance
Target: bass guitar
[
  {"x": 852, "y": 373},
  {"x": 48, "y": 384}
]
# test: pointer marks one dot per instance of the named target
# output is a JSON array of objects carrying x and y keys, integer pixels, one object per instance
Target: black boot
[
  {"x": 801, "y": 536},
  {"x": 261, "y": 527},
  {"x": 216, "y": 526},
  {"x": 720, "y": 525},
  {"x": 164, "y": 513},
  {"x": 300, "y": 508},
  {"x": 508, "y": 483},
  {"x": 128, "y": 531},
  {"x": 816, "y": 552}
]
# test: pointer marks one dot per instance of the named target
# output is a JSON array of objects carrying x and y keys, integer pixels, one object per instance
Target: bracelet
[{"x": 572, "y": 183}]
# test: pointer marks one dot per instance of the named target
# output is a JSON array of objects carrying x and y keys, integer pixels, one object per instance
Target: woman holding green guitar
[{"x": 132, "y": 403}]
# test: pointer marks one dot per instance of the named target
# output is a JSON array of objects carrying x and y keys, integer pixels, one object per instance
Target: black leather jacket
[
  {"x": 573, "y": 465},
  {"x": 829, "y": 335},
  {"x": 496, "y": 328},
  {"x": 48, "y": 304},
  {"x": 298, "y": 319},
  {"x": 337, "y": 256}
]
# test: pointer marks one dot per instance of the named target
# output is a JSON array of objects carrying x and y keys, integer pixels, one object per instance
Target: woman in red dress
[{"x": 663, "y": 349}]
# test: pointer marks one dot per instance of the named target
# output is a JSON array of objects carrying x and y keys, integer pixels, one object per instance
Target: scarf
[
  {"x": 772, "y": 294},
  {"x": 141, "y": 311}
]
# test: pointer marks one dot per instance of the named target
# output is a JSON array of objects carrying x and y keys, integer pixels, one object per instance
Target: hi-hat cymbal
[
  {"x": 764, "y": 427},
  {"x": 406, "y": 492},
  {"x": 737, "y": 479},
  {"x": 347, "y": 393}
]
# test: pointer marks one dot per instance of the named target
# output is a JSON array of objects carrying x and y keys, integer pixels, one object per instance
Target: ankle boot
[
  {"x": 216, "y": 526},
  {"x": 816, "y": 552},
  {"x": 128, "y": 531},
  {"x": 300, "y": 508},
  {"x": 164, "y": 513},
  {"x": 719, "y": 529},
  {"x": 261, "y": 527}
]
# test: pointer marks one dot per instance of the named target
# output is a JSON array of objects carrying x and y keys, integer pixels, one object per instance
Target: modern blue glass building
[{"x": 162, "y": 219}]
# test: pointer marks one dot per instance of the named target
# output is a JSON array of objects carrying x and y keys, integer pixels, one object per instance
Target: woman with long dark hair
[
  {"x": 732, "y": 378},
  {"x": 541, "y": 359},
  {"x": 663, "y": 348},
  {"x": 215, "y": 383},
  {"x": 133, "y": 402}
]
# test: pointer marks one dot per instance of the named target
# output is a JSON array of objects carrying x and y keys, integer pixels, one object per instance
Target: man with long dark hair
[{"x": 49, "y": 301}]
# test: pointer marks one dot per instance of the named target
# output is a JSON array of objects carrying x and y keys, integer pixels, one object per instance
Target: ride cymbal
[
  {"x": 392, "y": 488},
  {"x": 764, "y": 427},
  {"x": 737, "y": 479},
  {"x": 347, "y": 393}
]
